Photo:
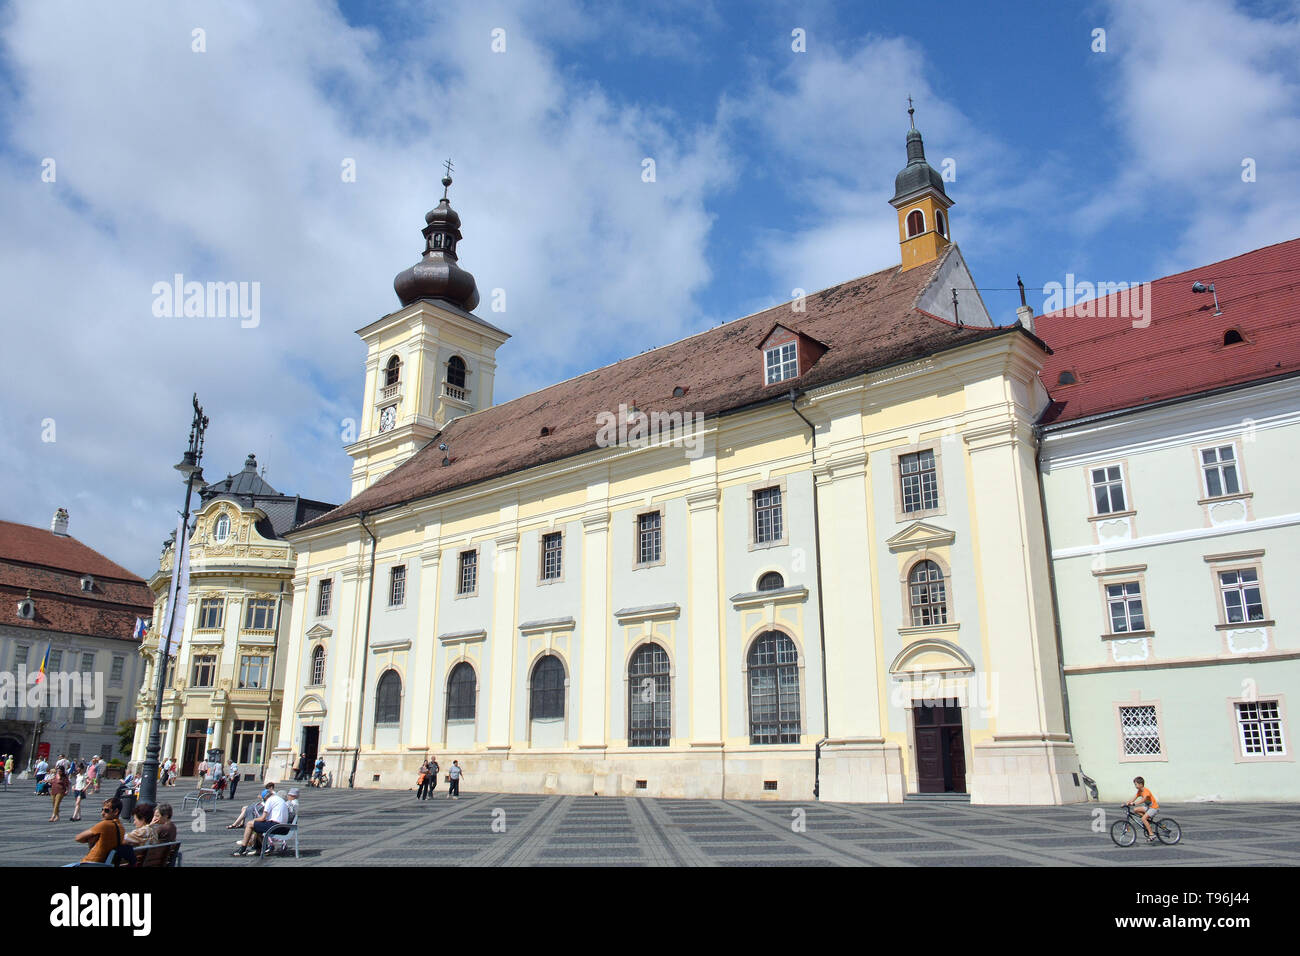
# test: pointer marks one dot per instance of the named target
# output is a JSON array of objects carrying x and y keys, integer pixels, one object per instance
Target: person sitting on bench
[{"x": 274, "y": 814}]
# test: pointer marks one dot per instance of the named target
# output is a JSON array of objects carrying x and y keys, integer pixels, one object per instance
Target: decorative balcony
[
  {"x": 389, "y": 391},
  {"x": 453, "y": 391}
]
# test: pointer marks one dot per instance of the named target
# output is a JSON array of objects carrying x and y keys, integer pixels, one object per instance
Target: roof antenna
[
  {"x": 446, "y": 180},
  {"x": 1201, "y": 287}
]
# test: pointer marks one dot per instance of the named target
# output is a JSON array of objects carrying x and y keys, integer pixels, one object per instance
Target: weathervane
[{"x": 910, "y": 112}]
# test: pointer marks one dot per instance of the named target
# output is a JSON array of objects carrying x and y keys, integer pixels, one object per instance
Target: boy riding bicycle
[{"x": 1145, "y": 801}]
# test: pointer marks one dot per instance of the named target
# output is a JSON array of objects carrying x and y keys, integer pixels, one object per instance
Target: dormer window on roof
[
  {"x": 221, "y": 531},
  {"x": 87, "y": 583},
  {"x": 782, "y": 362}
]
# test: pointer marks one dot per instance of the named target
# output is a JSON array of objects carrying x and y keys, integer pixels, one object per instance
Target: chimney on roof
[
  {"x": 1024, "y": 314},
  {"x": 60, "y": 523}
]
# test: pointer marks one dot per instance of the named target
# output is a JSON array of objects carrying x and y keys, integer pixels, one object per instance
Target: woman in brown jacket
[{"x": 58, "y": 790}]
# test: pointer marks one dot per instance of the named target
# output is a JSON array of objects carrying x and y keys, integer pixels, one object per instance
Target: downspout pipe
[
  {"x": 1051, "y": 577},
  {"x": 794, "y": 396},
  {"x": 365, "y": 654}
]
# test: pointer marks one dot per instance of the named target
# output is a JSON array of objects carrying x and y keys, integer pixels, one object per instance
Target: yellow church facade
[{"x": 799, "y": 554}]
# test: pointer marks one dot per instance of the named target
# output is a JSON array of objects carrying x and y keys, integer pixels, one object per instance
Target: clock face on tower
[{"x": 388, "y": 418}]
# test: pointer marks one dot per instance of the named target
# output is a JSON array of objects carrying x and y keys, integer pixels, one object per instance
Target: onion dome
[
  {"x": 917, "y": 174},
  {"x": 437, "y": 275}
]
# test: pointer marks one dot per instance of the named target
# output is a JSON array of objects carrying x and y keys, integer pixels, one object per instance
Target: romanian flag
[{"x": 45, "y": 662}]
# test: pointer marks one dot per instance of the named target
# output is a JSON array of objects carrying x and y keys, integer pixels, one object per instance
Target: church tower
[
  {"x": 922, "y": 204},
  {"x": 430, "y": 361}
]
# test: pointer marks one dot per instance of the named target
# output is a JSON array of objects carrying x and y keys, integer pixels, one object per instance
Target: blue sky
[{"x": 773, "y": 170}]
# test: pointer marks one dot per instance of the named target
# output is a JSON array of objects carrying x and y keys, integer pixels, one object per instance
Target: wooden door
[
  {"x": 929, "y": 760},
  {"x": 310, "y": 744},
  {"x": 956, "y": 759},
  {"x": 196, "y": 738}
]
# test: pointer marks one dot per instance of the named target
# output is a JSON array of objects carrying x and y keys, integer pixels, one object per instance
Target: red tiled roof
[
  {"x": 50, "y": 567},
  {"x": 866, "y": 323},
  {"x": 1117, "y": 366}
]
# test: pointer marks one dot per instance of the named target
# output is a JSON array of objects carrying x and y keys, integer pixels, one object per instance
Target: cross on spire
[
  {"x": 446, "y": 180},
  {"x": 910, "y": 112}
]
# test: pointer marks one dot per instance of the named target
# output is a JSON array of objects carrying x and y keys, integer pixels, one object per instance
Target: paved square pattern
[{"x": 388, "y": 827}]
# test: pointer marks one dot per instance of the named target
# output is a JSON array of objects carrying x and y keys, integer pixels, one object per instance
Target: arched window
[
  {"x": 388, "y": 699},
  {"x": 926, "y": 594},
  {"x": 772, "y": 581},
  {"x": 318, "y": 667},
  {"x": 649, "y": 716},
  {"x": 915, "y": 223},
  {"x": 546, "y": 699},
  {"x": 393, "y": 371},
  {"x": 941, "y": 223},
  {"x": 461, "y": 692},
  {"x": 222, "y": 529},
  {"x": 773, "y": 690},
  {"x": 1232, "y": 337},
  {"x": 456, "y": 371}
]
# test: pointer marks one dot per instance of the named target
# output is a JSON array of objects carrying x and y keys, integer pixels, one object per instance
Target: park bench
[
  {"x": 282, "y": 834},
  {"x": 202, "y": 798},
  {"x": 158, "y": 854}
]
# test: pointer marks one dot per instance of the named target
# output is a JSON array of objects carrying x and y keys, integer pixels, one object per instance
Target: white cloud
[{"x": 225, "y": 165}]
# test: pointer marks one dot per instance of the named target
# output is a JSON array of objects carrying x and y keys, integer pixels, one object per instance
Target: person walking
[
  {"x": 79, "y": 789},
  {"x": 453, "y": 780},
  {"x": 433, "y": 774},
  {"x": 58, "y": 790},
  {"x": 9, "y": 770},
  {"x": 203, "y": 772},
  {"x": 233, "y": 773},
  {"x": 101, "y": 768},
  {"x": 422, "y": 782}
]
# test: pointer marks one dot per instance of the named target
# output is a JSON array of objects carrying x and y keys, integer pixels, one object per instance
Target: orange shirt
[
  {"x": 1146, "y": 796},
  {"x": 110, "y": 838}
]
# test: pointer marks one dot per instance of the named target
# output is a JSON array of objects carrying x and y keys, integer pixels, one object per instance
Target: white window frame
[
  {"x": 779, "y": 365},
  {"x": 1124, "y": 755},
  {"x": 324, "y": 596},
  {"x": 396, "y": 583},
  {"x": 659, "y": 530},
  {"x": 262, "y": 670},
  {"x": 919, "y": 474},
  {"x": 1240, "y": 588},
  {"x": 1276, "y": 717},
  {"x": 461, "y": 590},
  {"x": 1125, "y": 599},
  {"x": 1218, "y": 467},
  {"x": 558, "y": 551},
  {"x": 205, "y": 604},
  {"x": 217, "y": 535},
  {"x": 1126, "y": 506},
  {"x": 259, "y": 603}
]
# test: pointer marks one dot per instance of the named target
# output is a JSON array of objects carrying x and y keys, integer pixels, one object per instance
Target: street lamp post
[{"x": 189, "y": 468}]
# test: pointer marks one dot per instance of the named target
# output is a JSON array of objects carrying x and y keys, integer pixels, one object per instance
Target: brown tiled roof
[
  {"x": 50, "y": 567},
  {"x": 866, "y": 323}
]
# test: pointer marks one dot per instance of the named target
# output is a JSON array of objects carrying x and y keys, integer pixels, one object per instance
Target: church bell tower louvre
[
  {"x": 429, "y": 362},
  {"x": 922, "y": 204}
]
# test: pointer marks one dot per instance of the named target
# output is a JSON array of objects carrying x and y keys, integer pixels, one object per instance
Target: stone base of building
[
  {"x": 862, "y": 771},
  {"x": 1020, "y": 771}
]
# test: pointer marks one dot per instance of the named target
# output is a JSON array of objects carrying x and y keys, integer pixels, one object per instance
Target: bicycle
[{"x": 1125, "y": 832}]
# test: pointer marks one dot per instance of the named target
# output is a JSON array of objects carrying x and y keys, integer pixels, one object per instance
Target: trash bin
[{"x": 128, "y": 808}]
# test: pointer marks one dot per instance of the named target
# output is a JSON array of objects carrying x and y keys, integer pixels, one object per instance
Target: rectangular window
[
  {"x": 74, "y": 750},
  {"x": 56, "y": 661},
  {"x": 1242, "y": 599},
  {"x": 260, "y": 614},
  {"x": 110, "y": 713},
  {"x": 78, "y": 716},
  {"x": 1220, "y": 467},
  {"x": 253, "y": 672},
  {"x": 552, "y": 547},
  {"x": 1141, "y": 730},
  {"x": 1260, "y": 726},
  {"x": 324, "y": 592},
  {"x": 397, "y": 586},
  {"x": 1108, "y": 489},
  {"x": 246, "y": 742},
  {"x": 649, "y": 538},
  {"x": 768, "y": 523},
  {"x": 1124, "y": 602},
  {"x": 115, "y": 675},
  {"x": 467, "y": 577},
  {"x": 920, "y": 481},
  {"x": 87, "y": 663},
  {"x": 205, "y": 668},
  {"x": 106, "y": 751},
  {"x": 782, "y": 363},
  {"x": 20, "y": 654},
  {"x": 211, "y": 613}
]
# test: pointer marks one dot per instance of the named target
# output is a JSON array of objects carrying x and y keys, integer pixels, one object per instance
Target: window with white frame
[
  {"x": 552, "y": 549},
  {"x": 649, "y": 537},
  {"x": 211, "y": 612},
  {"x": 769, "y": 523},
  {"x": 221, "y": 531},
  {"x": 324, "y": 592},
  {"x": 1219, "y": 466},
  {"x": 467, "y": 578},
  {"x": 397, "y": 586},
  {"x": 1108, "y": 489},
  {"x": 204, "y": 670},
  {"x": 926, "y": 594},
  {"x": 259, "y": 614},
  {"x": 782, "y": 363},
  {"x": 253, "y": 671},
  {"x": 1260, "y": 725},
  {"x": 318, "y": 667},
  {"x": 1124, "y": 607},
  {"x": 115, "y": 675},
  {"x": 919, "y": 481},
  {"x": 1242, "y": 599},
  {"x": 1140, "y": 727}
]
